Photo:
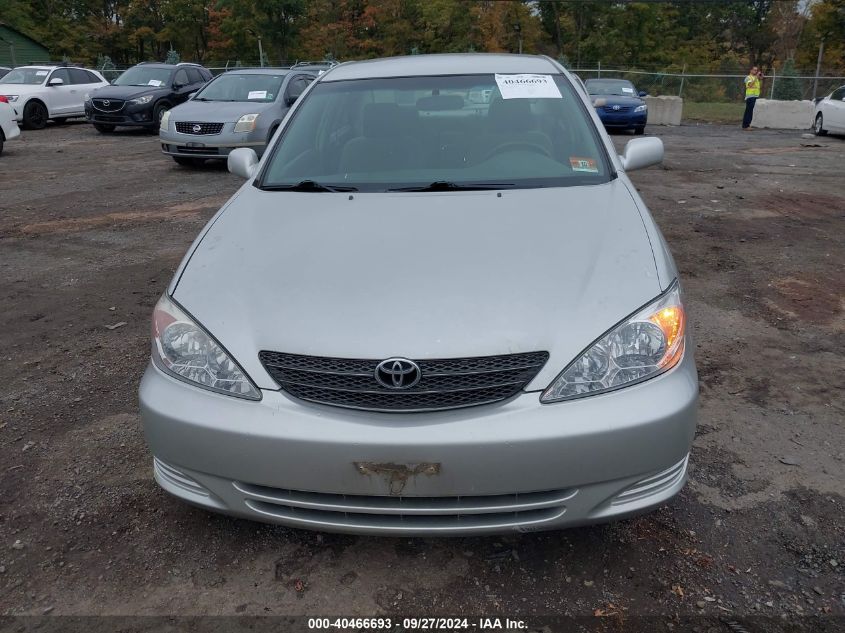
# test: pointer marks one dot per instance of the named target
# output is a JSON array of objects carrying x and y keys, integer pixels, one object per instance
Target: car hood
[
  {"x": 217, "y": 111},
  {"x": 611, "y": 100},
  {"x": 420, "y": 275},
  {"x": 21, "y": 89},
  {"x": 127, "y": 92}
]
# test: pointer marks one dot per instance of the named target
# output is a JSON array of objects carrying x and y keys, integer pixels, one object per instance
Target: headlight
[
  {"x": 246, "y": 123},
  {"x": 87, "y": 97},
  {"x": 11, "y": 98},
  {"x": 141, "y": 100},
  {"x": 641, "y": 347},
  {"x": 641, "y": 108},
  {"x": 165, "y": 121},
  {"x": 185, "y": 350}
]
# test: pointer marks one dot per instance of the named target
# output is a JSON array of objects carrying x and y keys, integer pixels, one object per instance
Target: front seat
[{"x": 386, "y": 141}]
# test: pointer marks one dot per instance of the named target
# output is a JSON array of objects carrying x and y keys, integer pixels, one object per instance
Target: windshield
[
  {"x": 611, "y": 87},
  {"x": 28, "y": 76},
  {"x": 242, "y": 87},
  {"x": 447, "y": 131},
  {"x": 144, "y": 76}
]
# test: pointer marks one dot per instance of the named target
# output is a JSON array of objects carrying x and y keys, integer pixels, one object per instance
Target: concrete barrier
[
  {"x": 664, "y": 110},
  {"x": 783, "y": 115}
]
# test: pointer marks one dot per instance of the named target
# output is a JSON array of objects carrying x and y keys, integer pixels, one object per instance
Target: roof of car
[
  {"x": 442, "y": 64},
  {"x": 267, "y": 70}
]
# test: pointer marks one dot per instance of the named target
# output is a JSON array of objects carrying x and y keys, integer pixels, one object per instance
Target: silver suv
[{"x": 428, "y": 313}]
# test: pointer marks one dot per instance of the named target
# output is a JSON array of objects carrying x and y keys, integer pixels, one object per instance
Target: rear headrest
[
  {"x": 440, "y": 102},
  {"x": 387, "y": 119},
  {"x": 510, "y": 115}
]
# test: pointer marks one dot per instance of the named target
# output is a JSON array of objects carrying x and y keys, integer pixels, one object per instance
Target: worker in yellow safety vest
[{"x": 752, "y": 92}]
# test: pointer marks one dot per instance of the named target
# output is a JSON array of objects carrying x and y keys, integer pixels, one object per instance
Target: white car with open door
[
  {"x": 8, "y": 126},
  {"x": 830, "y": 113},
  {"x": 40, "y": 93}
]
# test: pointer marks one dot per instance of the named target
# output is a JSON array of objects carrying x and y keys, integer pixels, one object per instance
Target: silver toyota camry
[{"x": 436, "y": 306}]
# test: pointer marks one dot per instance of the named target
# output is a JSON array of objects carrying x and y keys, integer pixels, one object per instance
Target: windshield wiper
[
  {"x": 444, "y": 185},
  {"x": 309, "y": 186}
]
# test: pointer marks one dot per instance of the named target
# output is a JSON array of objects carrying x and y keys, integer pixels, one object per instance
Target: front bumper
[
  {"x": 128, "y": 116},
  {"x": 208, "y": 145},
  {"x": 514, "y": 467},
  {"x": 626, "y": 120}
]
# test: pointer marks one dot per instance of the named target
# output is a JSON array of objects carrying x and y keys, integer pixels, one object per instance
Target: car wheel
[
  {"x": 188, "y": 162},
  {"x": 818, "y": 125},
  {"x": 103, "y": 128},
  {"x": 35, "y": 115},
  {"x": 159, "y": 111},
  {"x": 639, "y": 130}
]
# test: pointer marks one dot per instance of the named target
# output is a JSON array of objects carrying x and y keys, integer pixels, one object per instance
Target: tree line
[{"x": 715, "y": 36}]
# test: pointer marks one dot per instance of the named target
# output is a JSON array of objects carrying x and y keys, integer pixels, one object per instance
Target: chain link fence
[{"x": 706, "y": 87}]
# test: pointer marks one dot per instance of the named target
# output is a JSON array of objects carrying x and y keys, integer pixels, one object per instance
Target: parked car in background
[
  {"x": 830, "y": 113},
  {"x": 411, "y": 320},
  {"x": 4, "y": 70},
  {"x": 618, "y": 104},
  {"x": 140, "y": 96},
  {"x": 240, "y": 108},
  {"x": 40, "y": 93},
  {"x": 8, "y": 124}
]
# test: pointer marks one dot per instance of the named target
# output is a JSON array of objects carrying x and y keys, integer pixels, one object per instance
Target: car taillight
[{"x": 3, "y": 99}]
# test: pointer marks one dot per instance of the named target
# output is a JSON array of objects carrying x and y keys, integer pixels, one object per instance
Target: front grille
[
  {"x": 197, "y": 128},
  {"x": 197, "y": 150},
  {"x": 443, "y": 384},
  {"x": 613, "y": 110},
  {"x": 407, "y": 512},
  {"x": 108, "y": 105}
]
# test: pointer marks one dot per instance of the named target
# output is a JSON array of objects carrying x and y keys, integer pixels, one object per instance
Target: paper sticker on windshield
[
  {"x": 41, "y": 73},
  {"x": 257, "y": 94},
  {"x": 528, "y": 87},
  {"x": 155, "y": 82},
  {"x": 583, "y": 164},
  {"x": 629, "y": 91}
]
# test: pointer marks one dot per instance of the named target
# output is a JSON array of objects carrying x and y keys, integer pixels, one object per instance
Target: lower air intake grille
[{"x": 443, "y": 384}]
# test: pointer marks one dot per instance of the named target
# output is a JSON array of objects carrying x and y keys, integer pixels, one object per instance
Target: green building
[{"x": 17, "y": 49}]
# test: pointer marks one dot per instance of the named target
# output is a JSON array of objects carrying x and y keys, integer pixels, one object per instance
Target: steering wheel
[{"x": 514, "y": 145}]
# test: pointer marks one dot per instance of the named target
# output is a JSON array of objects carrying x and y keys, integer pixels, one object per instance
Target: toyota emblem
[
  {"x": 616, "y": 107},
  {"x": 398, "y": 373},
  {"x": 106, "y": 102},
  {"x": 197, "y": 128}
]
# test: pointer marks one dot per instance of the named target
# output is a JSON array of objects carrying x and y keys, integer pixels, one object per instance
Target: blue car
[{"x": 618, "y": 104}]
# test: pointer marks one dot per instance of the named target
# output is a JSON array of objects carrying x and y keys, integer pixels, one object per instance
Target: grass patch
[{"x": 714, "y": 112}]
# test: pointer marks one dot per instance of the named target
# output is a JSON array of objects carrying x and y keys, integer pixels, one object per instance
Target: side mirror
[
  {"x": 56, "y": 81},
  {"x": 290, "y": 99},
  {"x": 177, "y": 85},
  {"x": 642, "y": 93},
  {"x": 242, "y": 162},
  {"x": 642, "y": 152},
  {"x": 191, "y": 96}
]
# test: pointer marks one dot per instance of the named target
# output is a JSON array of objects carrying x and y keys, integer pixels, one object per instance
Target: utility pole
[
  {"x": 260, "y": 49},
  {"x": 518, "y": 28},
  {"x": 818, "y": 69}
]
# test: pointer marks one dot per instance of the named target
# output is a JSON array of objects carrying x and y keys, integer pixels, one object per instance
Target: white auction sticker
[
  {"x": 41, "y": 73},
  {"x": 528, "y": 87},
  {"x": 628, "y": 90},
  {"x": 155, "y": 82},
  {"x": 257, "y": 94}
]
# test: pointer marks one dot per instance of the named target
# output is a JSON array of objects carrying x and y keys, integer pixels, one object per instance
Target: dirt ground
[{"x": 91, "y": 229}]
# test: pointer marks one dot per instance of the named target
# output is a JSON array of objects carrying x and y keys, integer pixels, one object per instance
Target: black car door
[{"x": 181, "y": 86}]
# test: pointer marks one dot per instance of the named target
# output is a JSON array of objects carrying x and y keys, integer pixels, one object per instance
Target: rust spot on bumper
[{"x": 397, "y": 475}]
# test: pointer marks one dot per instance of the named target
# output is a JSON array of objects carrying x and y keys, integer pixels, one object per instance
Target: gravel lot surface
[{"x": 91, "y": 229}]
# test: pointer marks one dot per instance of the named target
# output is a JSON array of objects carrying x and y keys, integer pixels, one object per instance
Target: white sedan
[
  {"x": 8, "y": 126},
  {"x": 830, "y": 113},
  {"x": 39, "y": 93}
]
